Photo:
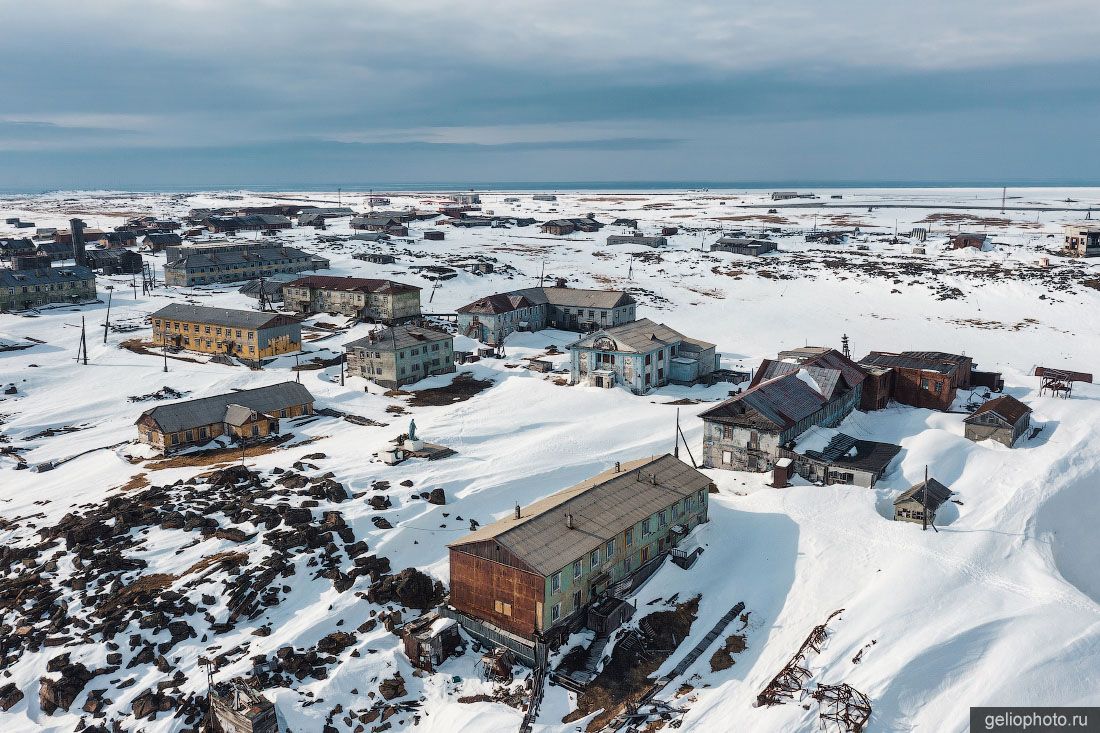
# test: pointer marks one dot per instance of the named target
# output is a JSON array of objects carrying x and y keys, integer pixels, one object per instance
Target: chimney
[
  {"x": 653, "y": 479},
  {"x": 517, "y": 511},
  {"x": 76, "y": 229},
  {"x": 618, "y": 467},
  {"x": 569, "y": 521}
]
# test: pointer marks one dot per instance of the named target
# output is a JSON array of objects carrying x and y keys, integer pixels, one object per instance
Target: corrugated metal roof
[
  {"x": 929, "y": 361},
  {"x": 868, "y": 455},
  {"x": 220, "y": 316},
  {"x": 190, "y": 414},
  {"x": 398, "y": 337},
  {"x": 352, "y": 284},
  {"x": 780, "y": 403},
  {"x": 562, "y": 297},
  {"x": 17, "y": 278},
  {"x": 640, "y": 337},
  {"x": 602, "y": 507},
  {"x": 1006, "y": 407}
]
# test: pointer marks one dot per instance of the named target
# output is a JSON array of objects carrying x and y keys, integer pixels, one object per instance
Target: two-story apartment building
[
  {"x": 370, "y": 299},
  {"x": 401, "y": 355},
  {"x": 640, "y": 355},
  {"x": 537, "y": 571},
  {"x": 492, "y": 318},
  {"x": 203, "y": 264},
  {"x": 748, "y": 431},
  {"x": 29, "y": 285},
  {"x": 247, "y": 335}
]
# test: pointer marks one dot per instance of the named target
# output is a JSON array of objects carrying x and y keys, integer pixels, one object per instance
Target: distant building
[
  {"x": 30, "y": 286},
  {"x": 244, "y": 415},
  {"x": 467, "y": 199},
  {"x": 561, "y": 227},
  {"x": 314, "y": 216},
  {"x": 637, "y": 239},
  {"x": 246, "y": 222},
  {"x": 751, "y": 431},
  {"x": 401, "y": 355},
  {"x": 247, "y": 335},
  {"x": 434, "y": 235},
  {"x": 538, "y": 572},
  {"x": 157, "y": 241},
  {"x": 1082, "y": 239},
  {"x": 387, "y": 224},
  {"x": 964, "y": 240},
  {"x": 222, "y": 262},
  {"x": 1003, "y": 419},
  {"x": 385, "y": 301},
  {"x": 115, "y": 240},
  {"x": 272, "y": 287},
  {"x": 544, "y": 197},
  {"x": 114, "y": 261},
  {"x": 12, "y": 247},
  {"x": 744, "y": 246},
  {"x": 628, "y": 223},
  {"x": 492, "y": 318},
  {"x": 640, "y": 355},
  {"x": 56, "y": 251},
  {"x": 910, "y": 506}
]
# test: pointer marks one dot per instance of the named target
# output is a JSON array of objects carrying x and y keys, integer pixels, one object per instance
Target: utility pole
[
  {"x": 107, "y": 322},
  {"x": 1004, "y": 191},
  {"x": 83, "y": 348},
  {"x": 343, "y": 358},
  {"x": 297, "y": 374},
  {"x": 542, "y": 275},
  {"x": 676, "y": 448},
  {"x": 630, "y": 269},
  {"x": 133, "y": 281},
  {"x": 924, "y": 501}
]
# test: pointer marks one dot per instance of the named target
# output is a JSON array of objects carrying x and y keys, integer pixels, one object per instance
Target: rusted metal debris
[
  {"x": 794, "y": 674},
  {"x": 844, "y": 709}
]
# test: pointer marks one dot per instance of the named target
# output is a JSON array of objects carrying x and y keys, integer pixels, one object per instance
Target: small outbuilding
[
  {"x": 430, "y": 640},
  {"x": 927, "y": 496},
  {"x": 1003, "y": 419}
]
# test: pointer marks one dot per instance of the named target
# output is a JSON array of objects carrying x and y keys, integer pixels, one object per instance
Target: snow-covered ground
[{"x": 1000, "y": 607}]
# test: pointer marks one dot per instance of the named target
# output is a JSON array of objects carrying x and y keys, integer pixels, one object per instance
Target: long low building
[
  {"x": 199, "y": 265},
  {"x": 246, "y": 415},
  {"x": 370, "y": 299},
  {"x": 492, "y": 318},
  {"x": 538, "y": 571},
  {"x": 401, "y": 355},
  {"x": 24, "y": 288},
  {"x": 247, "y": 335},
  {"x": 640, "y": 356}
]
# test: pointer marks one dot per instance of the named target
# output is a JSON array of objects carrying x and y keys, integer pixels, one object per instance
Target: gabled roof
[
  {"x": 172, "y": 418},
  {"x": 937, "y": 494},
  {"x": 845, "y": 451},
  {"x": 1006, "y": 407},
  {"x": 777, "y": 404},
  {"x": 16, "y": 278},
  {"x": 851, "y": 373},
  {"x": 602, "y": 507},
  {"x": 221, "y": 316},
  {"x": 929, "y": 361},
  {"x": 352, "y": 284},
  {"x": 398, "y": 337},
  {"x": 640, "y": 337}
]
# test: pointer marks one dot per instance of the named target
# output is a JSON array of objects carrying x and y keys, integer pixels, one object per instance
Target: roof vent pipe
[
  {"x": 618, "y": 467},
  {"x": 517, "y": 511},
  {"x": 569, "y": 521},
  {"x": 653, "y": 478}
]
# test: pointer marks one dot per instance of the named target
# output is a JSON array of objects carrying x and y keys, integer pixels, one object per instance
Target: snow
[{"x": 1000, "y": 607}]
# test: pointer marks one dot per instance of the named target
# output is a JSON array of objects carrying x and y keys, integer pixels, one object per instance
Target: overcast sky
[{"x": 211, "y": 93}]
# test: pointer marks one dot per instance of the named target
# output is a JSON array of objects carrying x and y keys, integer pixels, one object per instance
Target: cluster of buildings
[
  {"x": 492, "y": 318},
  {"x": 220, "y": 262}
]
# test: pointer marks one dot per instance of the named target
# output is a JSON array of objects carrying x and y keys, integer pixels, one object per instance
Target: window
[
  {"x": 924, "y": 384},
  {"x": 630, "y": 537},
  {"x": 727, "y": 432},
  {"x": 595, "y": 559},
  {"x": 645, "y": 526},
  {"x": 662, "y": 519},
  {"x": 555, "y": 582},
  {"x": 504, "y": 608},
  {"x": 609, "y": 548},
  {"x": 628, "y": 563},
  {"x": 251, "y": 335},
  {"x": 648, "y": 359},
  {"x": 555, "y": 612},
  {"x": 727, "y": 457},
  {"x": 576, "y": 569}
]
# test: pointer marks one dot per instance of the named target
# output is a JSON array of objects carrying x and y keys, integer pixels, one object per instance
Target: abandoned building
[
  {"x": 492, "y": 318},
  {"x": 828, "y": 456},
  {"x": 640, "y": 356},
  {"x": 116, "y": 240},
  {"x": 538, "y": 572},
  {"x": 751, "y": 431},
  {"x": 429, "y": 640},
  {"x": 221, "y": 263},
  {"x": 561, "y": 227},
  {"x": 970, "y": 240},
  {"x": 1003, "y": 419},
  {"x": 12, "y": 247},
  {"x": 1082, "y": 239},
  {"x": 245, "y": 415},
  {"x": 369, "y": 299},
  {"x": 912, "y": 504},
  {"x": 269, "y": 288},
  {"x": 401, "y": 355},
  {"x": 238, "y": 708},
  {"x": 637, "y": 239},
  {"x": 929, "y": 379},
  {"x": 388, "y": 224},
  {"x": 114, "y": 262},
  {"x": 246, "y": 222},
  {"x": 247, "y": 335},
  {"x": 157, "y": 241},
  {"x": 744, "y": 246},
  {"x": 29, "y": 285},
  {"x": 319, "y": 215}
]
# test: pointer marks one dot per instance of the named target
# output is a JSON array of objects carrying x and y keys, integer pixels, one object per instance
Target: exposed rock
[
  {"x": 437, "y": 497},
  {"x": 9, "y": 696}
]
